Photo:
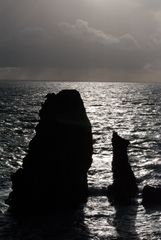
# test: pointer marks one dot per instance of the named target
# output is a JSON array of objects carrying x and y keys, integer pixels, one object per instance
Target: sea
[{"x": 131, "y": 109}]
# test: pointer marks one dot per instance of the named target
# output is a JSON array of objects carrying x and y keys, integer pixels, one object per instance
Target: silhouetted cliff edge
[{"x": 54, "y": 171}]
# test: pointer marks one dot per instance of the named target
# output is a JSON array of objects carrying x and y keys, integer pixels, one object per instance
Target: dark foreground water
[{"x": 134, "y": 110}]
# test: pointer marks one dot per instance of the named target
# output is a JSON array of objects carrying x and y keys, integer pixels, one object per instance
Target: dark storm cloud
[
  {"x": 75, "y": 44},
  {"x": 74, "y": 37}
]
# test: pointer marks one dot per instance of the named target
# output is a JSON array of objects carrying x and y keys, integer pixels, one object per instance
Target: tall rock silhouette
[
  {"x": 124, "y": 182},
  {"x": 54, "y": 171}
]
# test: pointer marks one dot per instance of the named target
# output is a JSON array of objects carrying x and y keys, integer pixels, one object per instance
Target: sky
[{"x": 87, "y": 40}]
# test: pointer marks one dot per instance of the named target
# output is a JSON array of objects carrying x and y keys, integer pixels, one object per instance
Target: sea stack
[
  {"x": 54, "y": 171},
  {"x": 124, "y": 185}
]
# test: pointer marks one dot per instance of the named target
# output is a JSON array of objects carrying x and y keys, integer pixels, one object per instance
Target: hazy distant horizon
[{"x": 83, "y": 81}]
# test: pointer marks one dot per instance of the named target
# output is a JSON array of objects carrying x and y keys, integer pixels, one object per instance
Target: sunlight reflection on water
[{"x": 134, "y": 110}]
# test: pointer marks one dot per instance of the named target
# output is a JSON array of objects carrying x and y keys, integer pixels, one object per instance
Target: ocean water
[{"x": 134, "y": 111}]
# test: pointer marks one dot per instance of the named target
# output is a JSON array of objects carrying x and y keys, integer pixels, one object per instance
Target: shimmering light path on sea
[{"x": 134, "y": 110}]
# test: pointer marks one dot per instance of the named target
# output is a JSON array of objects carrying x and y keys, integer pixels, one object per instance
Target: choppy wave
[{"x": 134, "y": 110}]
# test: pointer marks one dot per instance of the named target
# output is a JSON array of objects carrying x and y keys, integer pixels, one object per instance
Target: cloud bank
[{"x": 81, "y": 40}]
